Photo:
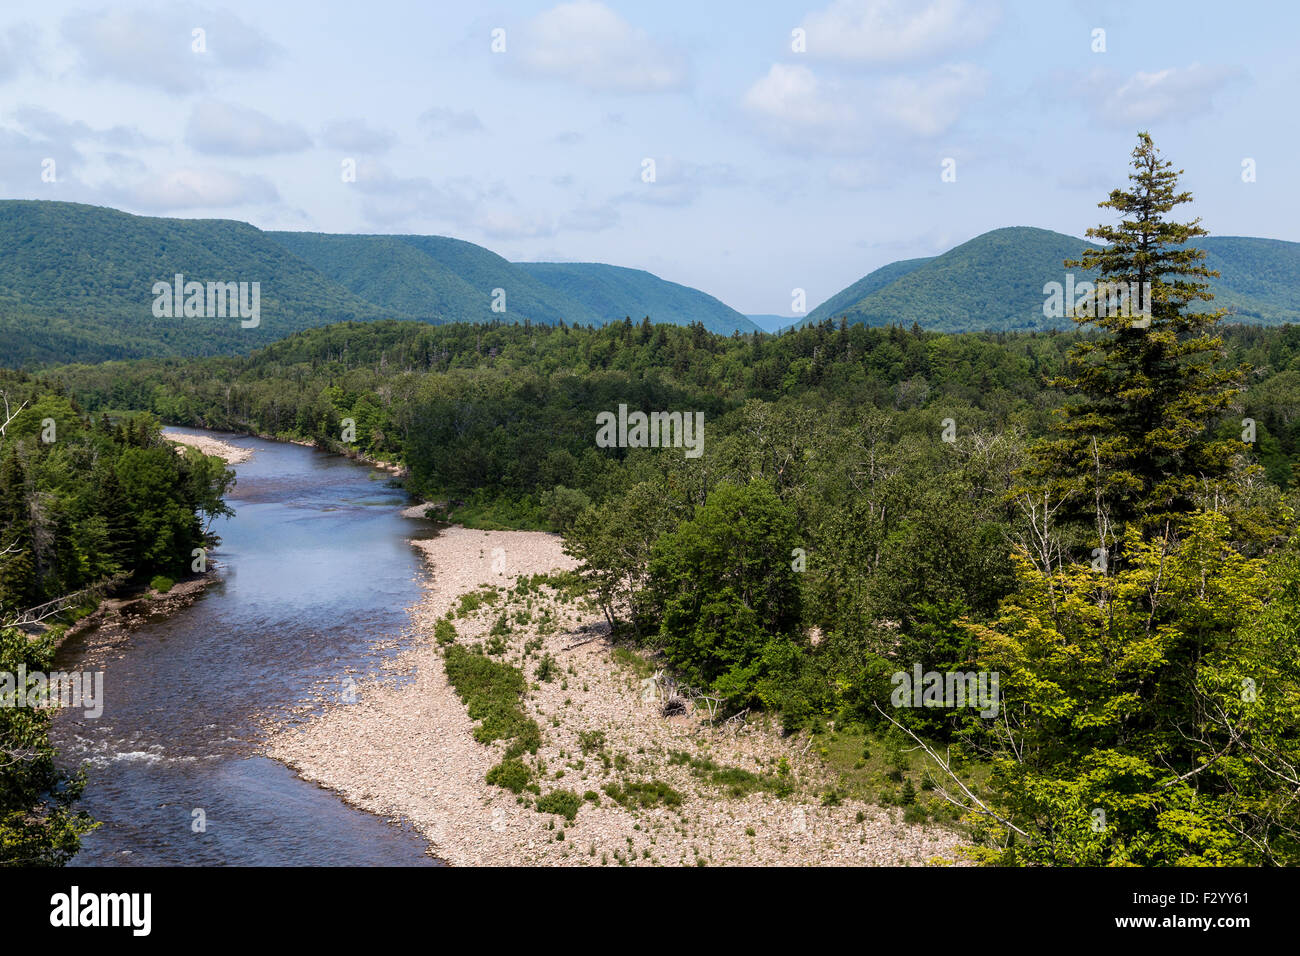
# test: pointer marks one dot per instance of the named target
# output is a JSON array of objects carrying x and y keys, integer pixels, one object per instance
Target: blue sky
[{"x": 774, "y": 168}]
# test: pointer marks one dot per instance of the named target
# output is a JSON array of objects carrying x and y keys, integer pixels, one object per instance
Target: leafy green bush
[
  {"x": 562, "y": 802},
  {"x": 547, "y": 669},
  {"x": 491, "y": 691},
  {"x": 444, "y": 632},
  {"x": 645, "y": 794},
  {"x": 512, "y": 774}
]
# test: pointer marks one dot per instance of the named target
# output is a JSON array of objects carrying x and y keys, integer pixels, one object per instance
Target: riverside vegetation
[
  {"x": 87, "y": 504},
  {"x": 1105, "y": 518}
]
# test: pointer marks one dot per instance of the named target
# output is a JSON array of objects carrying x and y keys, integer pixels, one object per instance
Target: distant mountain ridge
[
  {"x": 995, "y": 282},
  {"x": 76, "y": 281},
  {"x": 605, "y": 290}
]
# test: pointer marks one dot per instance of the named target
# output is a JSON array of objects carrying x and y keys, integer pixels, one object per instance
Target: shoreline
[
  {"x": 406, "y": 749},
  {"x": 111, "y": 612},
  {"x": 231, "y": 454},
  {"x": 234, "y": 455}
]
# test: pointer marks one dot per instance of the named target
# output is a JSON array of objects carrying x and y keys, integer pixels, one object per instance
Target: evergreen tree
[{"x": 1136, "y": 448}]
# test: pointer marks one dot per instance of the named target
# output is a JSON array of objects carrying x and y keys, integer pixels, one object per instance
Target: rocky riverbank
[
  {"x": 232, "y": 454},
  {"x": 648, "y": 789}
]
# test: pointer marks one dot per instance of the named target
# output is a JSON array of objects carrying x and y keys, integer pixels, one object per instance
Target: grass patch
[
  {"x": 444, "y": 632},
  {"x": 491, "y": 691},
  {"x": 562, "y": 802},
  {"x": 735, "y": 781},
  {"x": 887, "y": 768},
  {"x": 645, "y": 794},
  {"x": 548, "y": 668}
]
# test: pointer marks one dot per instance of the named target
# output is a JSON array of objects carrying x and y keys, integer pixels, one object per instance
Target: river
[{"x": 314, "y": 566}]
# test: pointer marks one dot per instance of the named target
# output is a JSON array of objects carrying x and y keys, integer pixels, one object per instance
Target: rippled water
[{"x": 314, "y": 566}]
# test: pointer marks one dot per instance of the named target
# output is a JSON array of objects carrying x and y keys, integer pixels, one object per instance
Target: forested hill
[
  {"x": 605, "y": 290},
  {"x": 995, "y": 281},
  {"x": 76, "y": 284}
]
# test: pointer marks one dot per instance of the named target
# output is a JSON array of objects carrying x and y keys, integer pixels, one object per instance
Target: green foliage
[
  {"x": 39, "y": 825},
  {"x": 99, "y": 501},
  {"x": 564, "y": 803},
  {"x": 444, "y": 632},
  {"x": 1165, "y": 696},
  {"x": 643, "y": 794},
  {"x": 162, "y": 584},
  {"x": 512, "y": 774},
  {"x": 725, "y": 588},
  {"x": 491, "y": 691}
]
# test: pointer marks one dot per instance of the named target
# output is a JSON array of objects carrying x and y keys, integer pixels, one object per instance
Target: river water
[{"x": 313, "y": 568}]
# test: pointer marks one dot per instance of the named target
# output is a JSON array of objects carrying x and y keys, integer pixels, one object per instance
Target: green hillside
[
  {"x": 484, "y": 270},
  {"x": 615, "y": 292},
  {"x": 76, "y": 282},
  {"x": 383, "y": 270},
  {"x": 1259, "y": 278},
  {"x": 837, "y": 304},
  {"x": 995, "y": 282}
]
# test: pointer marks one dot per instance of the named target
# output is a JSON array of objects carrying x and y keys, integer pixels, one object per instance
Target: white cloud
[
  {"x": 792, "y": 103},
  {"x": 33, "y": 135},
  {"x": 928, "y": 105},
  {"x": 896, "y": 31},
  {"x": 462, "y": 203},
  {"x": 441, "y": 121},
  {"x": 17, "y": 46},
  {"x": 591, "y": 217},
  {"x": 357, "y": 136},
  {"x": 54, "y": 128},
  {"x": 154, "y": 46},
  {"x": 796, "y": 108},
  {"x": 227, "y": 130},
  {"x": 587, "y": 43},
  {"x": 1148, "y": 97},
  {"x": 680, "y": 182},
  {"x": 194, "y": 188}
]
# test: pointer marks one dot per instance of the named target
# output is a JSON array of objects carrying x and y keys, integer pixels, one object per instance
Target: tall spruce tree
[{"x": 1136, "y": 448}]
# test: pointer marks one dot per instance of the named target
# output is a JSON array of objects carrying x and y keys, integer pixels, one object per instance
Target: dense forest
[
  {"x": 88, "y": 506},
  {"x": 1103, "y": 518}
]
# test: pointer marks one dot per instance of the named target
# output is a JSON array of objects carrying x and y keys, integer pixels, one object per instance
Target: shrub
[
  {"x": 547, "y": 668},
  {"x": 562, "y": 802},
  {"x": 512, "y": 774},
  {"x": 444, "y": 632},
  {"x": 645, "y": 795},
  {"x": 162, "y": 584}
]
